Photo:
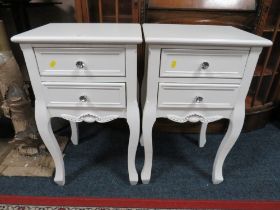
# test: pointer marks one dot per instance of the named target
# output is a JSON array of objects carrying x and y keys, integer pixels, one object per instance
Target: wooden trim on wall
[
  {"x": 264, "y": 6},
  {"x": 82, "y": 11}
]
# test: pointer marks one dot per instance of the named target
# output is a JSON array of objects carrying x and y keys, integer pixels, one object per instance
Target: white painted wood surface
[
  {"x": 87, "y": 33},
  {"x": 188, "y": 95},
  {"x": 202, "y": 135},
  {"x": 74, "y": 132},
  {"x": 189, "y": 63},
  {"x": 95, "y": 94},
  {"x": 201, "y": 35},
  {"x": 175, "y": 88},
  {"x": 43, "y": 121},
  {"x": 101, "y": 87},
  {"x": 95, "y": 61}
]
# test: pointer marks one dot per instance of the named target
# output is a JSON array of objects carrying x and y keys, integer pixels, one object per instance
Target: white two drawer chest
[
  {"x": 197, "y": 73},
  {"x": 83, "y": 72}
]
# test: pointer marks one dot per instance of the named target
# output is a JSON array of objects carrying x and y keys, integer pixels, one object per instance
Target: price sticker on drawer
[
  {"x": 173, "y": 64},
  {"x": 52, "y": 64}
]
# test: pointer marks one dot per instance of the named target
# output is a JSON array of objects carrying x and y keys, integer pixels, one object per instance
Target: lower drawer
[
  {"x": 197, "y": 95},
  {"x": 62, "y": 94}
]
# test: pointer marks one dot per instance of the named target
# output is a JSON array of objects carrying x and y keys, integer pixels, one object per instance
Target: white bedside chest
[
  {"x": 83, "y": 72},
  {"x": 197, "y": 73}
]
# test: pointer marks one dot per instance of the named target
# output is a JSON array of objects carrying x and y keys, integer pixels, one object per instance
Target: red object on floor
[{"x": 137, "y": 203}]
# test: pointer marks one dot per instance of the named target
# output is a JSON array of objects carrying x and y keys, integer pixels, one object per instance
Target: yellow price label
[
  {"x": 173, "y": 64},
  {"x": 52, "y": 64}
]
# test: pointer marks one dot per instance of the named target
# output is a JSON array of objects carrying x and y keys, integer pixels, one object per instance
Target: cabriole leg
[
  {"x": 234, "y": 130},
  {"x": 74, "y": 133},
  {"x": 149, "y": 118},
  {"x": 133, "y": 120},
  {"x": 202, "y": 136},
  {"x": 44, "y": 127}
]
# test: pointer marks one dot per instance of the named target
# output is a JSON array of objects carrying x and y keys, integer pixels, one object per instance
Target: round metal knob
[
  {"x": 198, "y": 99},
  {"x": 80, "y": 65},
  {"x": 205, "y": 65},
  {"x": 83, "y": 98}
]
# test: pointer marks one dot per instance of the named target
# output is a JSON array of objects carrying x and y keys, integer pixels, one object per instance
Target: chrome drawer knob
[
  {"x": 198, "y": 99},
  {"x": 80, "y": 65},
  {"x": 83, "y": 98},
  {"x": 205, "y": 65}
]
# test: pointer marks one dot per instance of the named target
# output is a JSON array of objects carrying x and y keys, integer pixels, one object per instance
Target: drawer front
[
  {"x": 197, "y": 95},
  {"x": 81, "y": 61},
  {"x": 203, "y": 63},
  {"x": 85, "y": 94}
]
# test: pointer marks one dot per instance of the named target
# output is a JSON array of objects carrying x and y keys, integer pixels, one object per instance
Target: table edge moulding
[
  {"x": 51, "y": 98},
  {"x": 159, "y": 103}
]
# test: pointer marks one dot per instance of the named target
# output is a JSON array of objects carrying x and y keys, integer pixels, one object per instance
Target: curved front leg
[
  {"x": 74, "y": 132},
  {"x": 44, "y": 127},
  {"x": 149, "y": 118},
  {"x": 202, "y": 135},
  {"x": 234, "y": 130},
  {"x": 133, "y": 120}
]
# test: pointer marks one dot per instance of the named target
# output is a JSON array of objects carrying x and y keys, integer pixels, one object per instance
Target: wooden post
[{"x": 82, "y": 11}]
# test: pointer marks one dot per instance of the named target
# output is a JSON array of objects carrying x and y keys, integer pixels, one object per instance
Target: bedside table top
[
  {"x": 201, "y": 35},
  {"x": 82, "y": 33}
]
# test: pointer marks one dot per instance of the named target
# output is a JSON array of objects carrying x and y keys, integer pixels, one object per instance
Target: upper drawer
[
  {"x": 81, "y": 61},
  {"x": 197, "y": 95},
  {"x": 203, "y": 63},
  {"x": 63, "y": 94}
]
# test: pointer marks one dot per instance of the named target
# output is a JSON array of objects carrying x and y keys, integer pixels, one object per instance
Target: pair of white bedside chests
[{"x": 88, "y": 72}]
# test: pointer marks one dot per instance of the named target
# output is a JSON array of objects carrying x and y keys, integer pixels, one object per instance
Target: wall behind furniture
[{"x": 60, "y": 13}]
